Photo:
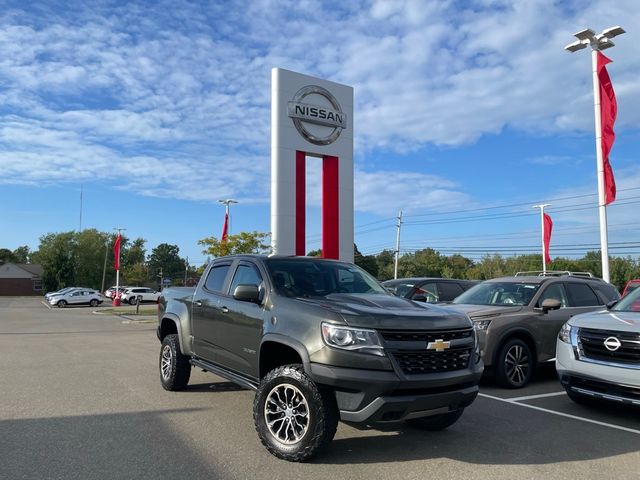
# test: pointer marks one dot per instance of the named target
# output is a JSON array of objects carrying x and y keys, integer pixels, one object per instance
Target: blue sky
[{"x": 467, "y": 113}]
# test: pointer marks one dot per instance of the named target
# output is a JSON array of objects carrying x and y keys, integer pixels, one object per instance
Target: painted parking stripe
[
  {"x": 560, "y": 414},
  {"x": 45, "y": 304},
  {"x": 542, "y": 395}
]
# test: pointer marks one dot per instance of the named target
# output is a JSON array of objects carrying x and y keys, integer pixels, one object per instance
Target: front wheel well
[
  {"x": 274, "y": 355},
  {"x": 167, "y": 327},
  {"x": 520, "y": 335}
]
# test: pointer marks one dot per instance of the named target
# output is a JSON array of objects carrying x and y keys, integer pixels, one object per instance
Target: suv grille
[
  {"x": 409, "y": 350},
  {"x": 592, "y": 342}
]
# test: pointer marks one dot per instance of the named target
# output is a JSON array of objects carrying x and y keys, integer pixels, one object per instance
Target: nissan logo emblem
[
  {"x": 301, "y": 113},
  {"x": 612, "y": 344}
]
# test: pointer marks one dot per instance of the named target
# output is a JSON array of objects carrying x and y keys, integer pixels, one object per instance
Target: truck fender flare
[
  {"x": 176, "y": 321},
  {"x": 289, "y": 342}
]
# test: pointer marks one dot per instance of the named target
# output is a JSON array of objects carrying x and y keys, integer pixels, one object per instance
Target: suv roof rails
[{"x": 554, "y": 273}]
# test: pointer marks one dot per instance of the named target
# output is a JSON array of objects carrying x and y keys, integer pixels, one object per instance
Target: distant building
[{"x": 20, "y": 279}]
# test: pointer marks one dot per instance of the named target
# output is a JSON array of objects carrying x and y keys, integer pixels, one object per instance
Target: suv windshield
[
  {"x": 499, "y": 293},
  {"x": 315, "y": 278},
  {"x": 629, "y": 303}
]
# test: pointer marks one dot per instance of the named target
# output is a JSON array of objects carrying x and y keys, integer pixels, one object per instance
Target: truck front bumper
[{"x": 373, "y": 396}]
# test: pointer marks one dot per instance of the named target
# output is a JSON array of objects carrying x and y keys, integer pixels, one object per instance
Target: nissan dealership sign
[
  {"x": 311, "y": 122},
  {"x": 303, "y": 110}
]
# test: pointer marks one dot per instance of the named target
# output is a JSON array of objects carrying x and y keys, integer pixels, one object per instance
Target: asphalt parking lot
[{"x": 80, "y": 398}]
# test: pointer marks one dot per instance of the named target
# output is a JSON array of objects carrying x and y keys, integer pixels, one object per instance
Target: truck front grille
[
  {"x": 415, "y": 363},
  {"x": 593, "y": 346},
  {"x": 411, "y": 336}
]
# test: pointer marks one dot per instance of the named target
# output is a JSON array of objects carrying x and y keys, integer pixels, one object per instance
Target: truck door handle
[
  {"x": 198, "y": 303},
  {"x": 224, "y": 310}
]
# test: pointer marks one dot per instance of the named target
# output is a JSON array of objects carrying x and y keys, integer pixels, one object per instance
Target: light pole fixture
[
  {"x": 597, "y": 42},
  {"x": 226, "y": 202}
]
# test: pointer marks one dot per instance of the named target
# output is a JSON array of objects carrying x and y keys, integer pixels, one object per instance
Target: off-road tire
[
  {"x": 61, "y": 304},
  {"x": 322, "y": 416},
  {"x": 177, "y": 368},
  {"x": 436, "y": 422},
  {"x": 514, "y": 351}
]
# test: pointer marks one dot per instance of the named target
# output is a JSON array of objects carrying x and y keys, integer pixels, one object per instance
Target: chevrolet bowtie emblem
[{"x": 439, "y": 345}]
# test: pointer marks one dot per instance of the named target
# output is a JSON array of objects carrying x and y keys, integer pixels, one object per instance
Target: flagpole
[
  {"x": 602, "y": 207},
  {"x": 541, "y": 207}
]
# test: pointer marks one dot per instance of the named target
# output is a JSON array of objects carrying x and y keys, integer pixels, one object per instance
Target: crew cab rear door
[
  {"x": 240, "y": 325},
  {"x": 206, "y": 311}
]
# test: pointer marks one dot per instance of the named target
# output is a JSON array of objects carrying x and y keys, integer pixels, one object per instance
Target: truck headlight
[
  {"x": 355, "y": 339},
  {"x": 477, "y": 352},
  {"x": 565, "y": 333}
]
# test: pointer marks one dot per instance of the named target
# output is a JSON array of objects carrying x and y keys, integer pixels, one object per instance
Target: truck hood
[
  {"x": 479, "y": 311},
  {"x": 608, "y": 320},
  {"x": 388, "y": 312}
]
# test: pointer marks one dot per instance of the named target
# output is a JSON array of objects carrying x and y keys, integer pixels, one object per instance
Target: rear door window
[
  {"x": 216, "y": 277},
  {"x": 448, "y": 291},
  {"x": 581, "y": 295}
]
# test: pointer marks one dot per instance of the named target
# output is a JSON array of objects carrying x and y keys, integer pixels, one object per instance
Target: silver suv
[
  {"x": 599, "y": 354},
  {"x": 518, "y": 318}
]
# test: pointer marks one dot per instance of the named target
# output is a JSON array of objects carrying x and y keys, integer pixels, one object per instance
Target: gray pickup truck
[{"x": 319, "y": 341}]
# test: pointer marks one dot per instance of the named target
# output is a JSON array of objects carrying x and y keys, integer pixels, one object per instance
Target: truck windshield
[
  {"x": 499, "y": 293},
  {"x": 302, "y": 277}
]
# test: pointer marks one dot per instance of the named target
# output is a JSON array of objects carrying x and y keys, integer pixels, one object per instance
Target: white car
[
  {"x": 80, "y": 296},
  {"x": 131, "y": 294},
  {"x": 598, "y": 354},
  {"x": 62, "y": 291}
]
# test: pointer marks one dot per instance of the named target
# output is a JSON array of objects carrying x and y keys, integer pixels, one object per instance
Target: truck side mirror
[
  {"x": 247, "y": 293},
  {"x": 550, "y": 304}
]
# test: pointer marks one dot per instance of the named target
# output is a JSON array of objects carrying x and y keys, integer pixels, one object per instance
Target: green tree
[
  {"x": 89, "y": 257},
  {"x": 243, "y": 242},
  {"x": 165, "y": 258},
  {"x": 56, "y": 253},
  {"x": 385, "y": 260},
  {"x": 366, "y": 262},
  {"x": 22, "y": 254},
  {"x": 7, "y": 256}
]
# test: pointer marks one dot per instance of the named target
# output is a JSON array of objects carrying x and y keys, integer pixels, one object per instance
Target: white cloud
[{"x": 183, "y": 94}]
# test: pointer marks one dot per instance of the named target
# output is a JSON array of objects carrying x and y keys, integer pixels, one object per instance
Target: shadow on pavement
[{"x": 122, "y": 445}]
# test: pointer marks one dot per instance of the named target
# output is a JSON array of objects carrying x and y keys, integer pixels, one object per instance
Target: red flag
[
  {"x": 608, "y": 112},
  {"x": 116, "y": 252},
  {"x": 548, "y": 226},
  {"x": 225, "y": 227}
]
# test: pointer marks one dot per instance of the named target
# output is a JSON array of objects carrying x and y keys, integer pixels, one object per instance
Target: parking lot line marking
[
  {"x": 45, "y": 304},
  {"x": 542, "y": 395},
  {"x": 566, "y": 415}
]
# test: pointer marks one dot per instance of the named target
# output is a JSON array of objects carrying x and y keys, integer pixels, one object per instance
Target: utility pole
[
  {"x": 541, "y": 207},
  {"x": 186, "y": 270},
  {"x": 398, "y": 226},
  {"x": 160, "y": 275},
  {"x": 598, "y": 42}
]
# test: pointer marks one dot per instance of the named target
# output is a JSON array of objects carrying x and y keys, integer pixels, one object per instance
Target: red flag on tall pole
[
  {"x": 548, "y": 226},
  {"x": 225, "y": 227},
  {"x": 116, "y": 252},
  {"x": 608, "y": 113}
]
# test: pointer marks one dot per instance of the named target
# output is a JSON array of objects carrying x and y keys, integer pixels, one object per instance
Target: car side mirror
[
  {"x": 247, "y": 293},
  {"x": 612, "y": 304},
  {"x": 550, "y": 304}
]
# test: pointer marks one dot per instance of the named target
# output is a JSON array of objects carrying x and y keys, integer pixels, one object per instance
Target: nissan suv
[{"x": 518, "y": 318}]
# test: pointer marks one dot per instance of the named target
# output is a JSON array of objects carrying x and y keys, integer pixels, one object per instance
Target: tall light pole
[
  {"x": 597, "y": 42},
  {"x": 226, "y": 202},
  {"x": 541, "y": 207}
]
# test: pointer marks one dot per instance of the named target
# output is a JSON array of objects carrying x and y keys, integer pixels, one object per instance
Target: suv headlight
[
  {"x": 481, "y": 325},
  {"x": 355, "y": 339},
  {"x": 477, "y": 351},
  {"x": 565, "y": 333}
]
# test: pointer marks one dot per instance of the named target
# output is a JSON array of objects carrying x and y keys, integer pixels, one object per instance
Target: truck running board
[{"x": 231, "y": 376}]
